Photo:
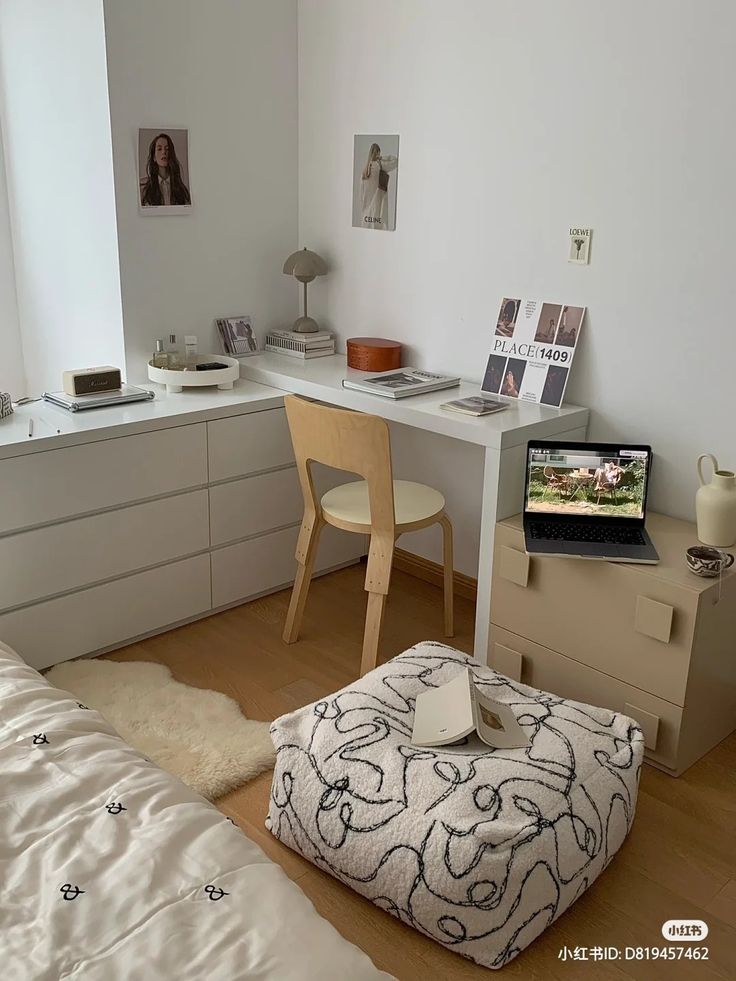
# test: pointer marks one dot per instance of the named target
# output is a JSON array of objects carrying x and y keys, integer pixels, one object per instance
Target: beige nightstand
[{"x": 655, "y": 642}]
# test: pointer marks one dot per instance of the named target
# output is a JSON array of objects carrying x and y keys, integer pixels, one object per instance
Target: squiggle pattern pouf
[{"x": 480, "y": 849}]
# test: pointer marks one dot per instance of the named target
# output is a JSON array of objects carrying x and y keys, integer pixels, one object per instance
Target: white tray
[{"x": 175, "y": 381}]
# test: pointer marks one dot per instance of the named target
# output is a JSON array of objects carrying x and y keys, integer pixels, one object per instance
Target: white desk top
[
  {"x": 54, "y": 427},
  {"x": 321, "y": 378}
]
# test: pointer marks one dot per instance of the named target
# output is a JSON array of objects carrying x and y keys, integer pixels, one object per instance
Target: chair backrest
[{"x": 346, "y": 440}]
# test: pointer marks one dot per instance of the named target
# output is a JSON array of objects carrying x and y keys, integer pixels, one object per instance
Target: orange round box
[{"x": 373, "y": 354}]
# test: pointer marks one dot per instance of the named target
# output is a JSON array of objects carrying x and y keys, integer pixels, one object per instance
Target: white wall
[
  {"x": 518, "y": 119},
  {"x": 12, "y": 375},
  {"x": 56, "y": 130},
  {"x": 226, "y": 69}
]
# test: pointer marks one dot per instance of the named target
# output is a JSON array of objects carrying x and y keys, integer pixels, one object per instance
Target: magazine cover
[{"x": 533, "y": 346}]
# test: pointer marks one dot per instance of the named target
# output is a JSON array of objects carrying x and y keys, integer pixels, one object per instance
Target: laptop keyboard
[{"x": 586, "y": 533}]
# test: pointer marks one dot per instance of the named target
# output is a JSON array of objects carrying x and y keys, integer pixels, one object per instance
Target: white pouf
[{"x": 480, "y": 849}]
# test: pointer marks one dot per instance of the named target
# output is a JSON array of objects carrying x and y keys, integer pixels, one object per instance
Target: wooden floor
[{"x": 678, "y": 862}]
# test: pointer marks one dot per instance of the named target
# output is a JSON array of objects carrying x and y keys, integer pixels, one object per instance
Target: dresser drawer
[
  {"x": 534, "y": 665},
  {"x": 101, "y": 546},
  {"x": 262, "y": 564},
  {"x": 249, "y": 443},
  {"x": 44, "y": 487},
  {"x": 110, "y": 614},
  {"x": 613, "y": 617},
  {"x": 253, "y": 505}
]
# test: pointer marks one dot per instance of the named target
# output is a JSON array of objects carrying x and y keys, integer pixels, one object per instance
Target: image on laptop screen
[{"x": 584, "y": 482}]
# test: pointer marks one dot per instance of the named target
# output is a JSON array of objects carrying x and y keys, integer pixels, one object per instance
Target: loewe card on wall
[
  {"x": 375, "y": 172},
  {"x": 532, "y": 351},
  {"x": 163, "y": 172}
]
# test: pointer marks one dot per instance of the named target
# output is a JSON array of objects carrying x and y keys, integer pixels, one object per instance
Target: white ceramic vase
[{"x": 715, "y": 505}]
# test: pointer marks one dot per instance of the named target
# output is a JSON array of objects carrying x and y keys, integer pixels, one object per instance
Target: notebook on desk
[{"x": 587, "y": 500}]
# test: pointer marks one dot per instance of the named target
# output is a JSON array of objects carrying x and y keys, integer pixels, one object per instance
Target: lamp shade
[{"x": 305, "y": 265}]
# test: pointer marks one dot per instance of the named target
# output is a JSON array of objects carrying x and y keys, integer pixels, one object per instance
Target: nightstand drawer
[
  {"x": 540, "y": 667},
  {"x": 614, "y": 618}
]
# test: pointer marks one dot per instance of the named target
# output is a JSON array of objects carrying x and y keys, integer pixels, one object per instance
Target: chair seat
[{"x": 412, "y": 502}]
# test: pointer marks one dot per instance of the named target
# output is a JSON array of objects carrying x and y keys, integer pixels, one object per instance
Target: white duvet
[{"x": 112, "y": 869}]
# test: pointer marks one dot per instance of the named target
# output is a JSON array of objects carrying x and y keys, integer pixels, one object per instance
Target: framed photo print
[
  {"x": 237, "y": 335},
  {"x": 375, "y": 173},
  {"x": 163, "y": 172}
]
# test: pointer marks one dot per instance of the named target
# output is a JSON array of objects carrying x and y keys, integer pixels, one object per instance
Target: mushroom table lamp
[{"x": 305, "y": 266}]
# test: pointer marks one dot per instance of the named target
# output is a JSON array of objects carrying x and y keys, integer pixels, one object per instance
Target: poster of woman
[
  {"x": 163, "y": 171},
  {"x": 375, "y": 173}
]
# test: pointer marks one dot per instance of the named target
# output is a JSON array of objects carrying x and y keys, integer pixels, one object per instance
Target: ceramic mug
[{"x": 708, "y": 562}]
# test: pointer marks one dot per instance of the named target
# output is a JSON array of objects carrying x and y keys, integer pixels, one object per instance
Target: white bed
[{"x": 112, "y": 869}]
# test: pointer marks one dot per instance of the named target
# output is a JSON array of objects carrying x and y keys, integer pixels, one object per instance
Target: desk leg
[{"x": 488, "y": 518}]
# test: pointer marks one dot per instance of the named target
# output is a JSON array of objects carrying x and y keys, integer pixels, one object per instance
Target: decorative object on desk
[
  {"x": 715, "y": 505},
  {"x": 163, "y": 172},
  {"x": 375, "y": 173},
  {"x": 475, "y": 405},
  {"x": 305, "y": 266},
  {"x": 707, "y": 562},
  {"x": 299, "y": 345},
  {"x": 532, "y": 351},
  {"x": 98, "y": 400},
  {"x": 238, "y": 337},
  {"x": 373, "y": 353},
  {"x": 160, "y": 358},
  {"x": 227, "y": 372},
  {"x": 399, "y": 384},
  {"x": 6, "y": 405},
  {"x": 86, "y": 381}
]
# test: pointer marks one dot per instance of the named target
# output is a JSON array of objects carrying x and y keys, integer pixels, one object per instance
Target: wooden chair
[
  {"x": 555, "y": 481},
  {"x": 378, "y": 506}
]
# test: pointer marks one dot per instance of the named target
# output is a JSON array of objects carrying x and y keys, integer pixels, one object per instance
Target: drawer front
[
  {"x": 247, "y": 444},
  {"x": 539, "y": 667},
  {"x": 44, "y": 487},
  {"x": 254, "y": 505},
  {"x": 267, "y": 563},
  {"x": 108, "y": 615},
  {"x": 102, "y": 546},
  {"x": 610, "y": 616}
]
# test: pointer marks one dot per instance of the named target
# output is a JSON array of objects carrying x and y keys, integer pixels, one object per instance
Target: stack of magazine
[
  {"x": 297, "y": 345},
  {"x": 399, "y": 384}
]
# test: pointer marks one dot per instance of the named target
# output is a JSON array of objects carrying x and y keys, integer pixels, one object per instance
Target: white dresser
[{"x": 118, "y": 523}]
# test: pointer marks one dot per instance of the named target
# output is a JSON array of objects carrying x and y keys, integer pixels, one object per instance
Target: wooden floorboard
[{"x": 679, "y": 860}]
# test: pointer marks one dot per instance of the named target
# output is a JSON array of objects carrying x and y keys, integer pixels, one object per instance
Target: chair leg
[
  {"x": 305, "y": 555},
  {"x": 447, "y": 560},
  {"x": 372, "y": 634}
]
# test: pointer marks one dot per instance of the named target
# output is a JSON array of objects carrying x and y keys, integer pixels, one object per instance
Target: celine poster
[{"x": 375, "y": 171}]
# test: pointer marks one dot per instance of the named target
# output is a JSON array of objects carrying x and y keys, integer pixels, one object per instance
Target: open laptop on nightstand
[{"x": 588, "y": 500}]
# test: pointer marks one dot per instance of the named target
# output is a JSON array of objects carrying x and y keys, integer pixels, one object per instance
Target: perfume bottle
[
  {"x": 160, "y": 358},
  {"x": 176, "y": 362},
  {"x": 190, "y": 344}
]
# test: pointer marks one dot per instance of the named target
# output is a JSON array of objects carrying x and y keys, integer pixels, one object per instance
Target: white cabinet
[{"x": 127, "y": 534}]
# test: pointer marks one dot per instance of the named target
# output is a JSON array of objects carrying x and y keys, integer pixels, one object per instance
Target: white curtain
[{"x": 12, "y": 373}]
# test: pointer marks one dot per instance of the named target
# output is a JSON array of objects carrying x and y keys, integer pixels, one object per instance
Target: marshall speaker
[{"x": 90, "y": 381}]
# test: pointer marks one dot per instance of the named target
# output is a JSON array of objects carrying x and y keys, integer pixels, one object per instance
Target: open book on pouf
[{"x": 451, "y": 712}]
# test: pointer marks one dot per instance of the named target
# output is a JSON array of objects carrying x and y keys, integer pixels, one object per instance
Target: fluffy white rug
[{"x": 200, "y": 736}]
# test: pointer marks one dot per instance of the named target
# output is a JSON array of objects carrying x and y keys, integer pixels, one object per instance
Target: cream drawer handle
[
  {"x": 653, "y": 619},
  {"x": 513, "y": 565},
  {"x": 649, "y": 724},
  {"x": 507, "y": 661}
]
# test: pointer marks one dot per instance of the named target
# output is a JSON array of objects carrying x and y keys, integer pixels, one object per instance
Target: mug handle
[
  {"x": 706, "y": 456},
  {"x": 727, "y": 560}
]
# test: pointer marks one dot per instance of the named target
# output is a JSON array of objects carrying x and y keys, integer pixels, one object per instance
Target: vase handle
[{"x": 706, "y": 456}]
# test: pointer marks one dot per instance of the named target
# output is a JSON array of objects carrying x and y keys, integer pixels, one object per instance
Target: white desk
[{"x": 502, "y": 437}]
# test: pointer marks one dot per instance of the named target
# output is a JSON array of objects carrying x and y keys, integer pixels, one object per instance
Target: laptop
[{"x": 587, "y": 500}]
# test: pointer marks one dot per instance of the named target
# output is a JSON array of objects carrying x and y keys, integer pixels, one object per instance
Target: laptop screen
[{"x": 582, "y": 480}]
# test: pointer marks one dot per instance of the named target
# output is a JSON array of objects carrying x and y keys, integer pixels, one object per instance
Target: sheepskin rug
[{"x": 200, "y": 736}]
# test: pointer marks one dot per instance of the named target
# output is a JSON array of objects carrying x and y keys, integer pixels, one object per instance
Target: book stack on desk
[{"x": 297, "y": 345}]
